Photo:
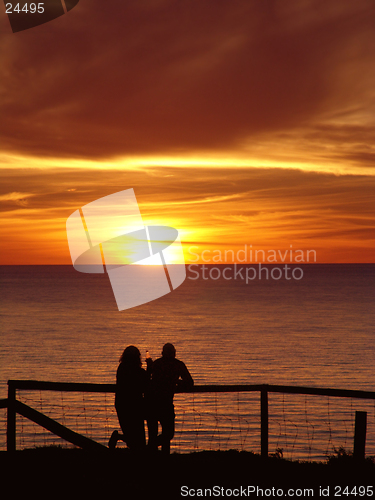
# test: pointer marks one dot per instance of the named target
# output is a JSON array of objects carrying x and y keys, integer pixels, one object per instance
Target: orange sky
[{"x": 241, "y": 122}]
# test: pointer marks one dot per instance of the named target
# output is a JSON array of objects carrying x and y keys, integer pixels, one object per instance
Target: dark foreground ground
[{"x": 73, "y": 473}]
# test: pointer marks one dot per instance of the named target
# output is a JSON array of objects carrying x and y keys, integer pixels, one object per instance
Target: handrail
[
  {"x": 104, "y": 387},
  {"x": 38, "y": 385},
  {"x": 4, "y": 403}
]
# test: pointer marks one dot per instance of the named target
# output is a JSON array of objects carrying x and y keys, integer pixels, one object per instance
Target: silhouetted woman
[{"x": 131, "y": 385}]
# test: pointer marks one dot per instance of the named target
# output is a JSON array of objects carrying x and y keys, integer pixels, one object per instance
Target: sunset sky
[{"x": 235, "y": 121}]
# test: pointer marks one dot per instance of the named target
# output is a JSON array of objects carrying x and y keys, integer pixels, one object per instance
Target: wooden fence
[{"x": 17, "y": 407}]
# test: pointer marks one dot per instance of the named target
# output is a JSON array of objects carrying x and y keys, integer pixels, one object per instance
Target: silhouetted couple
[{"x": 148, "y": 395}]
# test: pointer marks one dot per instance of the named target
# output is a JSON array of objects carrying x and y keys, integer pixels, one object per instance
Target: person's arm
[
  {"x": 186, "y": 383},
  {"x": 149, "y": 363}
]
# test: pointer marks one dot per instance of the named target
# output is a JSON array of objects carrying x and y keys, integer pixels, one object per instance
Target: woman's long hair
[{"x": 131, "y": 357}]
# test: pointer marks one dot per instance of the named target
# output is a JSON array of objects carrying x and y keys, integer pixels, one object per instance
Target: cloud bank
[{"x": 264, "y": 78}]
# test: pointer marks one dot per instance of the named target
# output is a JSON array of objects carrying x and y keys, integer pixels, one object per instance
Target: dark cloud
[{"x": 118, "y": 78}]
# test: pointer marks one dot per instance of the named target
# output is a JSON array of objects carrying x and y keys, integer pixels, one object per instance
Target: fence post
[
  {"x": 360, "y": 435},
  {"x": 11, "y": 417},
  {"x": 264, "y": 422}
]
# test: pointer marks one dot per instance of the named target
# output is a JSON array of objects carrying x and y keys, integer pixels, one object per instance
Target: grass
[{"x": 73, "y": 473}]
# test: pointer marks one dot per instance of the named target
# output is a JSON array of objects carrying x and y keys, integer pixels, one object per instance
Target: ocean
[{"x": 318, "y": 330}]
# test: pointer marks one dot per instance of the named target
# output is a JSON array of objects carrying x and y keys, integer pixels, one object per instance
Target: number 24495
[
  {"x": 32, "y": 8},
  {"x": 360, "y": 491}
]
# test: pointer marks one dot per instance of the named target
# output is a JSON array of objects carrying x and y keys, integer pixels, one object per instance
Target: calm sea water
[{"x": 61, "y": 325}]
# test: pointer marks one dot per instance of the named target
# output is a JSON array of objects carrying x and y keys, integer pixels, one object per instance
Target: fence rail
[
  {"x": 16, "y": 407},
  {"x": 286, "y": 389}
]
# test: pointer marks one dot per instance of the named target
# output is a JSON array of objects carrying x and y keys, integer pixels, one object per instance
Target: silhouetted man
[{"x": 167, "y": 375}]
